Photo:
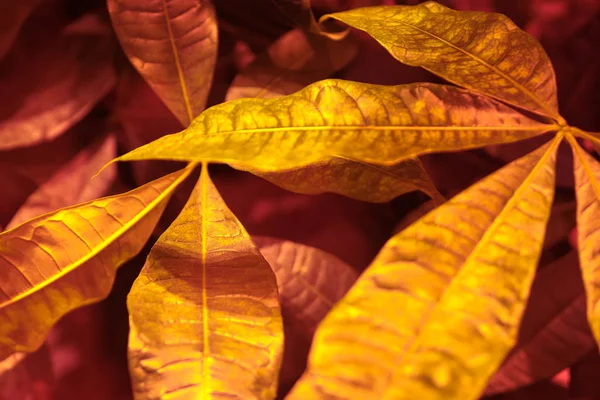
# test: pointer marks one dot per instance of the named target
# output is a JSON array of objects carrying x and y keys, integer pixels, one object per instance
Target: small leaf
[
  {"x": 57, "y": 262},
  {"x": 481, "y": 51},
  {"x": 587, "y": 190},
  {"x": 554, "y": 333},
  {"x": 204, "y": 315},
  {"x": 370, "y": 123},
  {"x": 72, "y": 183},
  {"x": 439, "y": 308},
  {"x": 12, "y": 16},
  {"x": 45, "y": 102},
  {"x": 294, "y": 61},
  {"x": 173, "y": 44}
]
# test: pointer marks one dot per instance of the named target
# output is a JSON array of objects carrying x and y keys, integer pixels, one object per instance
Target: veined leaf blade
[
  {"x": 441, "y": 304},
  {"x": 204, "y": 314},
  {"x": 59, "y": 261},
  {"x": 481, "y": 51},
  {"x": 173, "y": 44},
  {"x": 370, "y": 123}
]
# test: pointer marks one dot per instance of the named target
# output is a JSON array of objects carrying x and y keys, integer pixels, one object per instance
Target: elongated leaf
[
  {"x": 587, "y": 189},
  {"x": 554, "y": 333},
  {"x": 72, "y": 183},
  {"x": 12, "y": 16},
  {"x": 294, "y": 61},
  {"x": 371, "y": 123},
  {"x": 173, "y": 44},
  {"x": 204, "y": 314},
  {"x": 57, "y": 262},
  {"x": 486, "y": 52},
  {"x": 441, "y": 304},
  {"x": 44, "y": 102}
]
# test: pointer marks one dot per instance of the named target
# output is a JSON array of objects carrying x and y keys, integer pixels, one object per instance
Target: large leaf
[
  {"x": 44, "y": 102},
  {"x": 12, "y": 16},
  {"x": 173, "y": 44},
  {"x": 204, "y": 314},
  {"x": 554, "y": 333},
  {"x": 71, "y": 184},
  {"x": 57, "y": 262},
  {"x": 371, "y": 123},
  {"x": 587, "y": 189},
  {"x": 486, "y": 52},
  {"x": 439, "y": 308}
]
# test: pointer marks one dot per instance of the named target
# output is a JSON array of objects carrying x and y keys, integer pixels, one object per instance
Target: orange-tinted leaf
[
  {"x": 440, "y": 306},
  {"x": 294, "y": 61},
  {"x": 370, "y": 123},
  {"x": 173, "y": 44},
  {"x": 12, "y": 16},
  {"x": 482, "y": 51},
  {"x": 587, "y": 189},
  {"x": 204, "y": 315},
  {"x": 59, "y": 261},
  {"x": 53, "y": 86},
  {"x": 72, "y": 183},
  {"x": 554, "y": 332}
]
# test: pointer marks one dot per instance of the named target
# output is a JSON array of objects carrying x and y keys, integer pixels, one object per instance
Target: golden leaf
[
  {"x": 59, "y": 261},
  {"x": 440, "y": 306},
  {"x": 173, "y": 44},
  {"x": 294, "y": 61},
  {"x": 363, "y": 122},
  {"x": 204, "y": 314},
  {"x": 587, "y": 189},
  {"x": 482, "y": 51}
]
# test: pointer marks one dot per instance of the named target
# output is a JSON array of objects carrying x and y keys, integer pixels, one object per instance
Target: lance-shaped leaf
[
  {"x": 204, "y": 315},
  {"x": 439, "y": 308},
  {"x": 72, "y": 183},
  {"x": 294, "y": 61},
  {"x": 173, "y": 44},
  {"x": 587, "y": 189},
  {"x": 57, "y": 262},
  {"x": 46, "y": 102},
  {"x": 554, "y": 333},
  {"x": 371, "y": 123},
  {"x": 12, "y": 16},
  {"x": 486, "y": 52}
]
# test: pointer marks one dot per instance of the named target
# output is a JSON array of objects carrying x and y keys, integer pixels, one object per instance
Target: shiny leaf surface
[
  {"x": 371, "y": 123},
  {"x": 587, "y": 189},
  {"x": 485, "y": 52},
  {"x": 47, "y": 101},
  {"x": 173, "y": 44},
  {"x": 204, "y": 315},
  {"x": 68, "y": 258},
  {"x": 455, "y": 284}
]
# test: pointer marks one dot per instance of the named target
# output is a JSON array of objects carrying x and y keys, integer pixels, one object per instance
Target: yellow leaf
[
  {"x": 294, "y": 61},
  {"x": 355, "y": 179},
  {"x": 482, "y": 51},
  {"x": 587, "y": 189},
  {"x": 59, "y": 261},
  {"x": 440, "y": 306},
  {"x": 370, "y": 123},
  {"x": 173, "y": 44},
  {"x": 204, "y": 315}
]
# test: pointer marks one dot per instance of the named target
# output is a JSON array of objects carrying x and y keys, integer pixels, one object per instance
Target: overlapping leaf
[
  {"x": 66, "y": 259},
  {"x": 455, "y": 283},
  {"x": 371, "y": 123},
  {"x": 204, "y": 314},
  {"x": 173, "y": 44},
  {"x": 587, "y": 189},
  {"x": 554, "y": 333},
  {"x": 44, "y": 102},
  {"x": 71, "y": 184},
  {"x": 485, "y": 52}
]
